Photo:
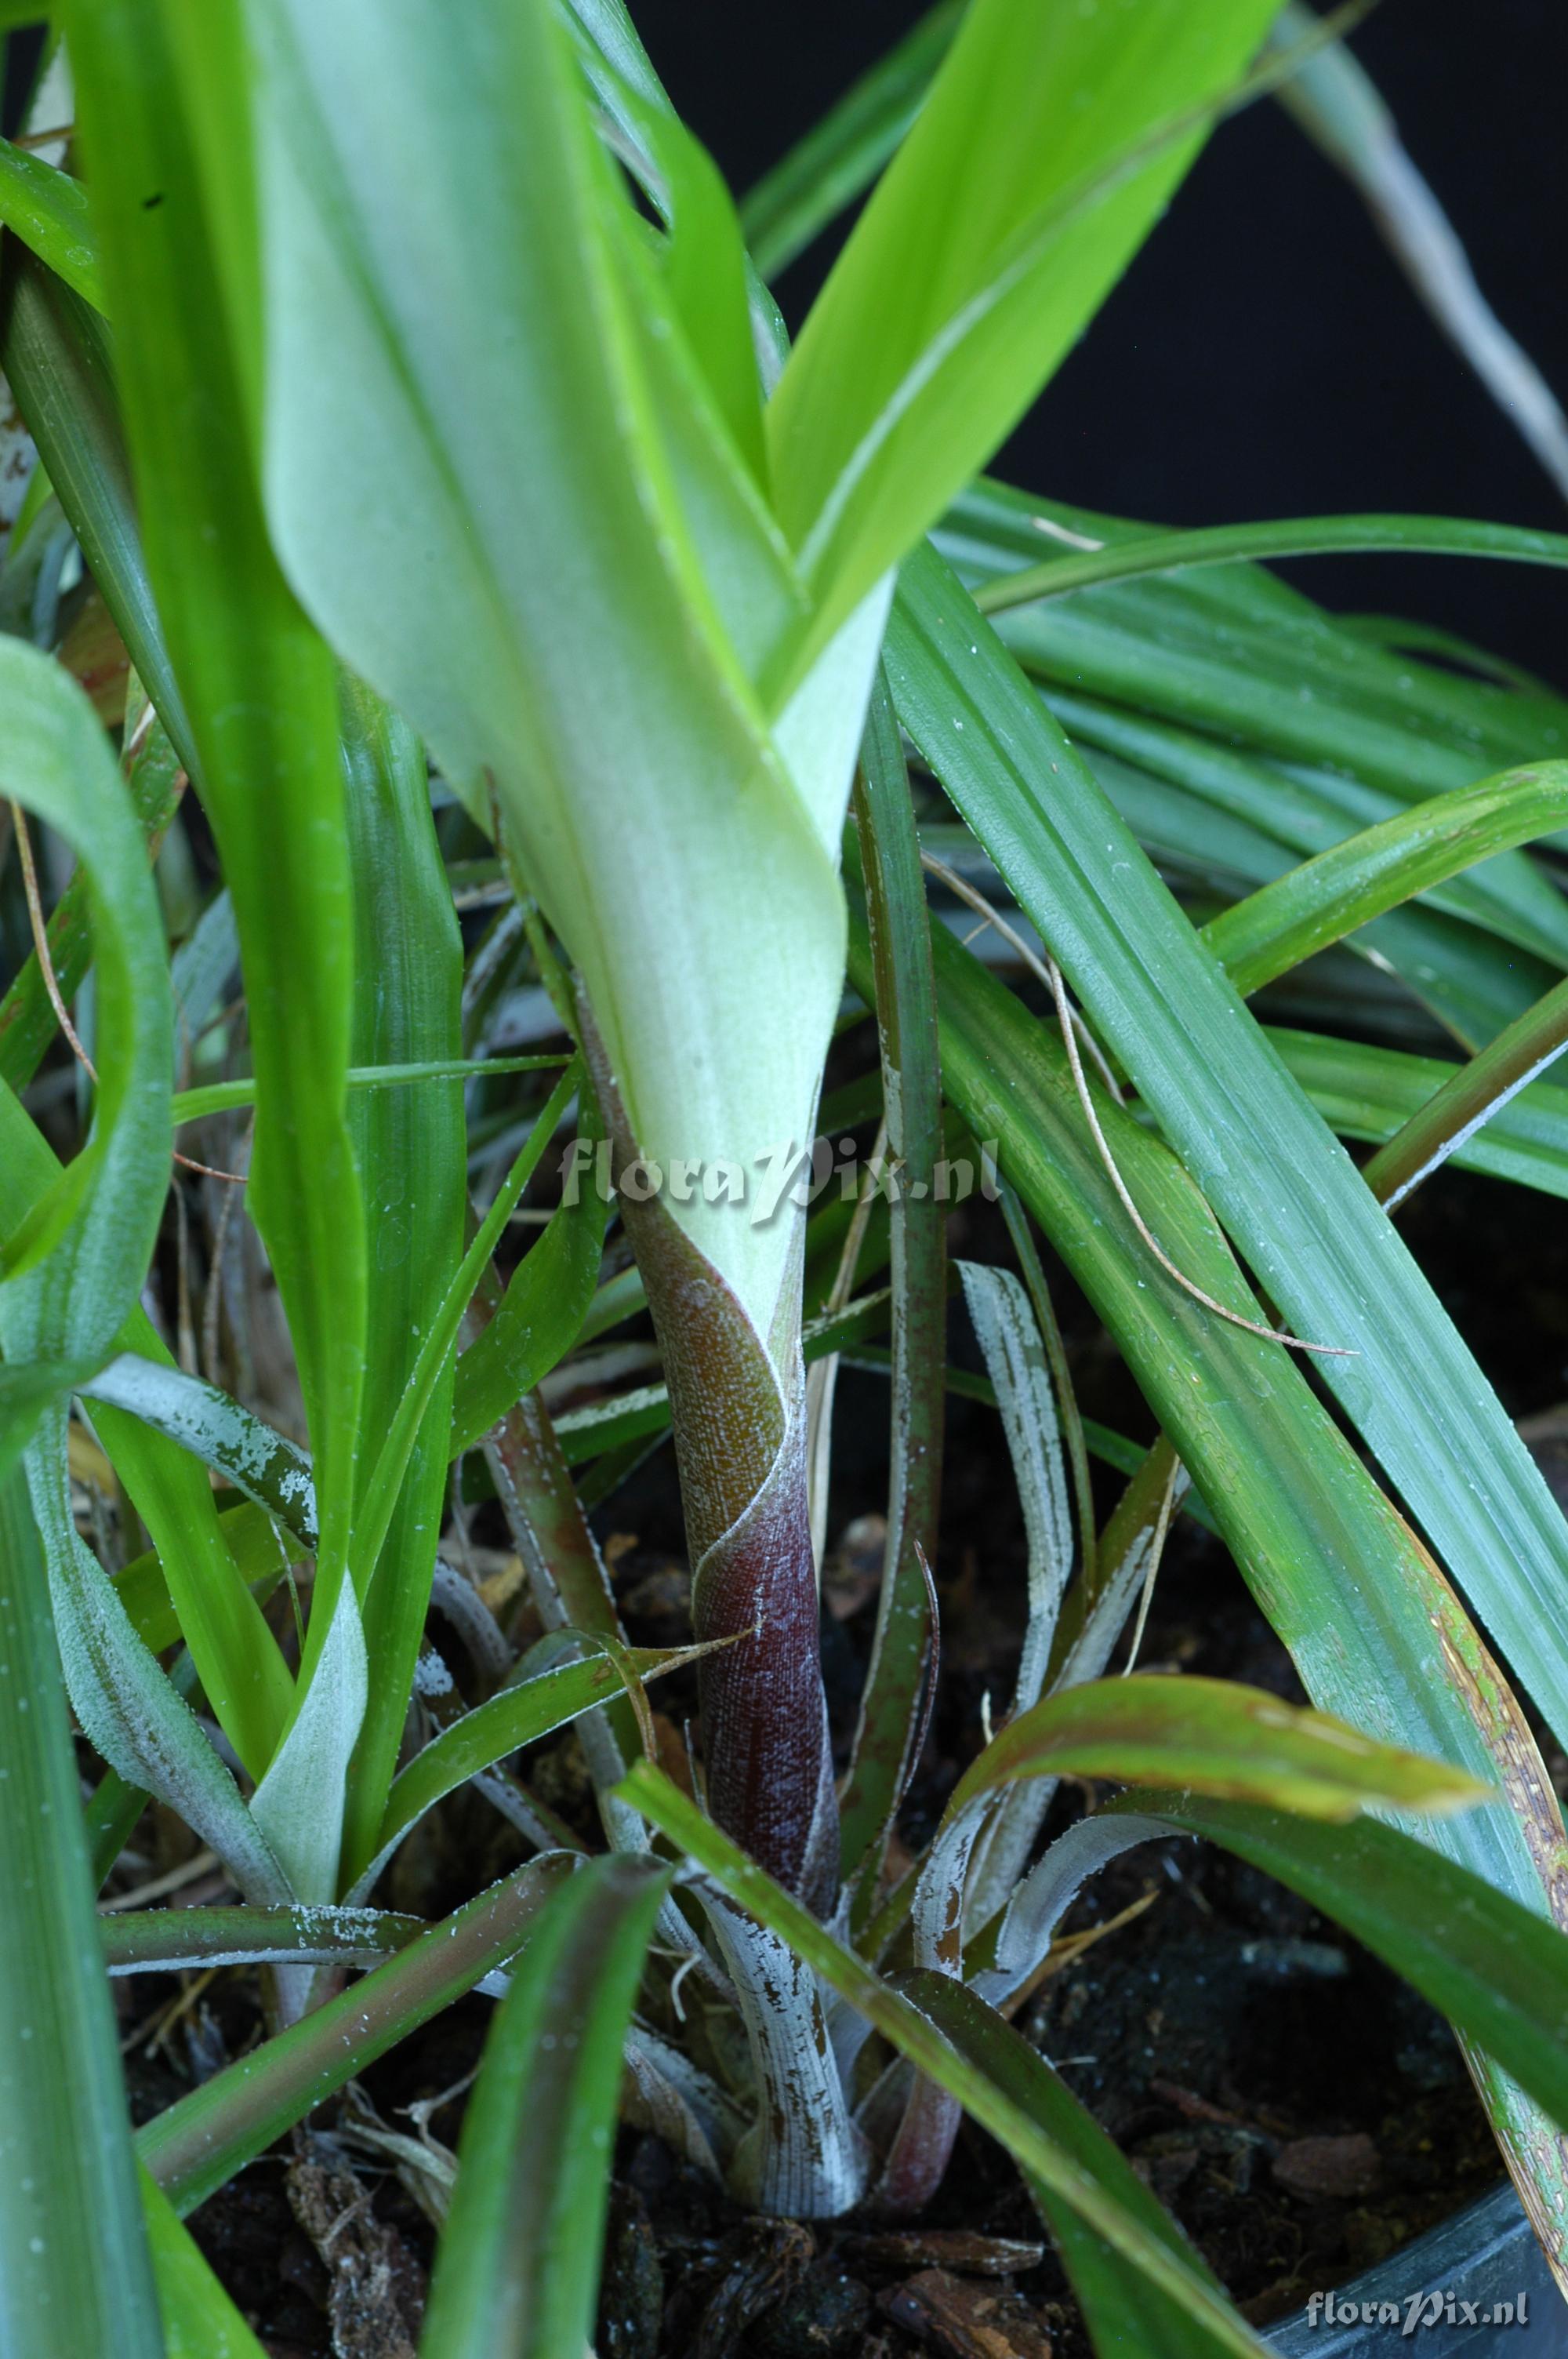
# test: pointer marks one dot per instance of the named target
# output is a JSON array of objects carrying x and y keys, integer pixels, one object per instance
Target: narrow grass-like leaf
[
  {"x": 94, "y": 1224},
  {"x": 540, "y": 1316},
  {"x": 940, "y": 321},
  {"x": 1453, "y": 1116},
  {"x": 518, "y": 1716},
  {"x": 199, "y": 2321},
  {"x": 439, "y": 1337},
  {"x": 78, "y": 1240},
  {"x": 1212, "y": 1736},
  {"x": 1226, "y": 544},
  {"x": 251, "y": 1454},
  {"x": 1141, "y": 2324},
  {"x": 170, "y": 1941},
  {"x": 74, "y": 2269},
  {"x": 409, "y": 1145},
  {"x": 1496, "y": 1970},
  {"x": 199, "y": 2142},
  {"x": 259, "y": 685},
  {"x": 1380, "y": 1093},
  {"x": 1378, "y": 1637},
  {"x": 223, "y": 1097},
  {"x": 842, "y": 155},
  {"x": 893, "y": 1692},
  {"x": 55, "y": 350},
  {"x": 47, "y": 210},
  {"x": 1287, "y": 1190},
  {"x": 27, "y": 1021},
  {"x": 1233, "y": 652},
  {"x": 516, "y": 2273},
  {"x": 1274, "y": 929}
]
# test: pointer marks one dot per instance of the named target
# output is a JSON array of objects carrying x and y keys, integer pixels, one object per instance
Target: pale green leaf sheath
[{"x": 431, "y": 430}]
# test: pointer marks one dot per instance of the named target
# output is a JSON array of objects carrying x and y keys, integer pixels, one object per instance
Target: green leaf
[
  {"x": 1471, "y": 1098},
  {"x": 168, "y": 1941},
  {"x": 55, "y": 350},
  {"x": 27, "y": 1020},
  {"x": 1275, "y": 929},
  {"x": 199, "y": 2321},
  {"x": 198, "y": 2143},
  {"x": 439, "y": 1337},
  {"x": 223, "y": 1097},
  {"x": 1311, "y": 811},
  {"x": 92, "y": 1228},
  {"x": 1367, "y": 1092},
  {"x": 516, "y": 2273},
  {"x": 410, "y": 1145},
  {"x": 1338, "y": 1573},
  {"x": 74, "y": 2272},
  {"x": 48, "y": 211},
  {"x": 1213, "y": 1736},
  {"x": 472, "y": 359},
  {"x": 1137, "y": 2322},
  {"x": 1065, "y": 131},
  {"x": 1235, "y": 653},
  {"x": 1288, "y": 1192},
  {"x": 539, "y": 1318},
  {"x": 1226, "y": 544},
  {"x": 518, "y": 1716},
  {"x": 842, "y": 154},
  {"x": 895, "y": 1685},
  {"x": 259, "y": 683},
  {"x": 264, "y": 1465}
]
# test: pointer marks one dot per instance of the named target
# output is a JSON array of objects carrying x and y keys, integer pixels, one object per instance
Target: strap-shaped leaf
[
  {"x": 199, "y": 2143},
  {"x": 1319, "y": 903},
  {"x": 894, "y": 1692},
  {"x": 1288, "y": 1192},
  {"x": 72, "y": 1266},
  {"x": 199, "y": 2321},
  {"x": 74, "y": 2272},
  {"x": 1367, "y": 1092},
  {"x": 1213, "y": 1736},
  {"x": 516, "y": 1716},
  {"x": 48, "y": 211},
  {"x": 259, "y": 683},
  {"x": 410, "y": 1144},
  {"x": 539, "y": 1317},
  {"x": 1141, "y": 2324},
  {"x": 516, "y": 2274},
  {"x": 1339, "y": 1575},
  {"x": 1064, "y": 130}
]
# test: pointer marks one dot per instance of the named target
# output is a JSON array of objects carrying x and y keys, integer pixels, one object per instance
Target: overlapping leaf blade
[
  {"x": 942, "y": 319},
  {"x": 257, "y": 681},
  {"x": 516, "y": 2274},
  {"x": 74, "y": 2266},
  {"x": 1289, "y": 1193}
]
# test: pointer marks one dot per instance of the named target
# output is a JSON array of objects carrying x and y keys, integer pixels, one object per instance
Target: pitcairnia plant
[{"x": 400, "y": 374}]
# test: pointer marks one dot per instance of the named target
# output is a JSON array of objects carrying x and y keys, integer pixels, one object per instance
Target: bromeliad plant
[{"x": 400, "y": 374}]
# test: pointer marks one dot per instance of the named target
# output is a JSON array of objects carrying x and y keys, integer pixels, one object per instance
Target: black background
[{"x": 1263, "y": 355}]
